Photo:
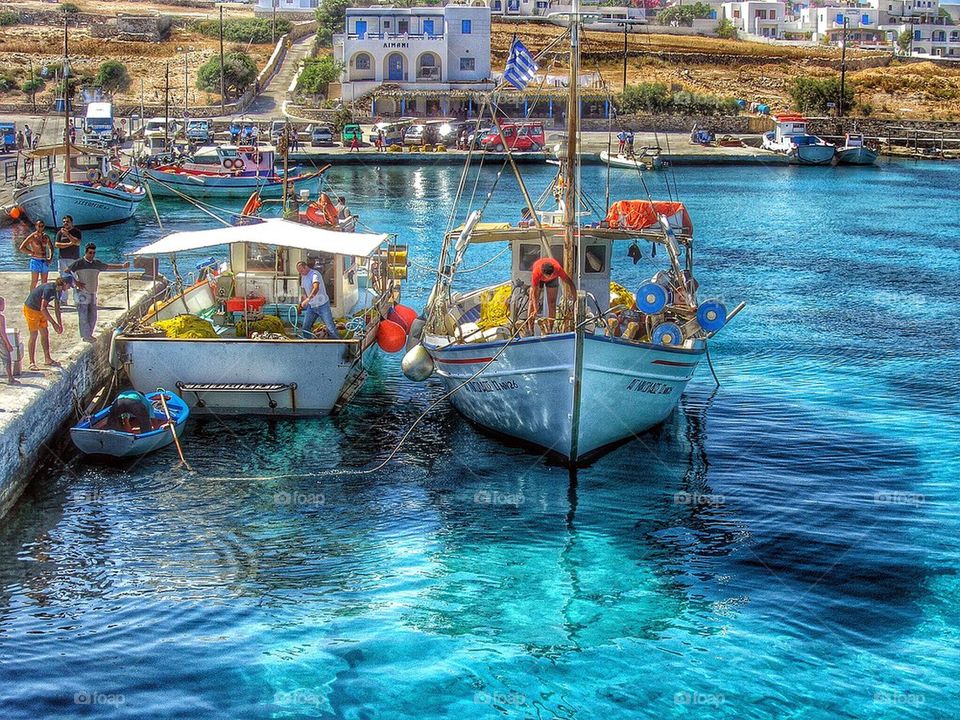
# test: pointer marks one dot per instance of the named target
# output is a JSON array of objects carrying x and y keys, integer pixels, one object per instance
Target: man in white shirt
[{"x": 315, "y": 303}]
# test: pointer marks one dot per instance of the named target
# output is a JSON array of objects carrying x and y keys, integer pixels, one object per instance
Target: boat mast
[
  {"x": 843, "y": 66},
  {"x": 573, "y": 125},
  {"x": 66, "y": 103}
]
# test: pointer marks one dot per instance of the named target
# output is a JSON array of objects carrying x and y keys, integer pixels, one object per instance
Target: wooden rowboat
[{"x": 92, "y": 436}]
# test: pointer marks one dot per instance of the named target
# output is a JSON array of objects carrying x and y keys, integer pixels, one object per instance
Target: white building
[
  {"x": 763, "y": 18},
  {"x": 608, "y": 15},
  {"x": 418, "y": 49},
  {"x": 300, "y": 7},
  {"x": 932, "y": 35}
]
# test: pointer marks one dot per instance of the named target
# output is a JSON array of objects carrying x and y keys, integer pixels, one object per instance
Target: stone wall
[
  {"x": 27, "y": 440},
  {"x": 143, "y": 28}
]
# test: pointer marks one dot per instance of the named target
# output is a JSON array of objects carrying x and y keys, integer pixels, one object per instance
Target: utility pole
[
  {"x": 625, "y": 26},
  {"x": 274, "y": 33},
  {"x": 186, "y": 86},
  {"x": 166, "y": 108},
  {"x": 141, "y": 101},
  {"x": 33, "y": 91},
  {"x": 221, "y": 60},
  {"x": 843, "y": 66}
]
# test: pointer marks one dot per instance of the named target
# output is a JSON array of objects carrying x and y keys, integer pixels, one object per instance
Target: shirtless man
[{"x": 38, "y": 246}]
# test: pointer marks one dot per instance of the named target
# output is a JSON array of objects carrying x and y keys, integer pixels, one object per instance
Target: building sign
[{"x": 395, "y": 45}]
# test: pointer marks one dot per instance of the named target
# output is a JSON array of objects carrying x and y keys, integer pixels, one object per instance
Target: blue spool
[
  {"x": 652, "y": 298},
  {"x": 712, "y": 315},
  {"x": 667, "y": 333}
]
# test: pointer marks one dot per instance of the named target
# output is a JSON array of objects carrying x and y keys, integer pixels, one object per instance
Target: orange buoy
[
  {"x": 402, "y": 315},
  {"x": 15, "y": 213},
  {"x": 391, "y": 337}
]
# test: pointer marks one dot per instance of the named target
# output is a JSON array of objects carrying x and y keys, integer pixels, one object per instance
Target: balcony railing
[{"x": 395, "y": 36}]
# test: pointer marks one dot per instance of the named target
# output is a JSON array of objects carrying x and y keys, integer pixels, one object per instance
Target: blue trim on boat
[{"x": 562, "y": 336}]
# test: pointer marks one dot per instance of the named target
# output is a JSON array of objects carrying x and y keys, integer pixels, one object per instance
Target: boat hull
[
  {"x": 88, "y": 205},
  {"x": 164, "y": 184},
  {"x": 94, "y": 441},
  {"x": 528, "y": 392},
  {"x": 857, "y": 156},
  {"x": 311, "y": 375},
  {"x": 638, "y": 162},
  {"x": 811, "y": 154}
]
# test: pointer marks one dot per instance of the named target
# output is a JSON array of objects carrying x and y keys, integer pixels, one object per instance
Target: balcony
[{"x": 395, "y": 36}]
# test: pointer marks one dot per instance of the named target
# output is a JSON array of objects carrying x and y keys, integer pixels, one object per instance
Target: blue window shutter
[
  {"x": 916, "y": 34},
  {"x": 465, "y": 27},
  {"x": 839, "y": 18},
  {"x": 865, "y": 19}
]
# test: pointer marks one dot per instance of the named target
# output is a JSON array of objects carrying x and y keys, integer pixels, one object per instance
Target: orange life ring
[
  {"x": 252, "y": 205},
  {"x": 314, "y": 214},
  {"x": 330, "y": 214}
]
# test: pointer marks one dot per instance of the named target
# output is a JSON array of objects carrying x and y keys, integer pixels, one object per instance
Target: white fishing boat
[
  {"x": 790, "y": 138},
  {"x": 855, "y": 151},
  {"x": 610, "y": 365},
  {"x": 105, "y": 195},
  {"x": 243, "y": 363}
]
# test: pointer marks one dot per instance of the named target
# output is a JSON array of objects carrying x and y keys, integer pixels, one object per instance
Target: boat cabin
[
  {"x": 247, "y": 158},
  {"x": 853, "y": 140},
  {"x": 789, "y": 126},
  {"x": 262, "y": 278}
]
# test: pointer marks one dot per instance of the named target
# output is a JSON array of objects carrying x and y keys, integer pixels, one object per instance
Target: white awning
[{"x": 273, "y": 231}]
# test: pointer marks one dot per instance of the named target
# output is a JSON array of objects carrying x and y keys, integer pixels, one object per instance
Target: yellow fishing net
[
  {"x": 495, "y": 309},
  {"x": 186, "y": 326},
  {"x": 269, "y": 324},
  {"x": 619, "y": 295}
]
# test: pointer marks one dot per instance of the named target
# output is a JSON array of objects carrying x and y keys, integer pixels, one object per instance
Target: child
[{"x": 6, "y": 348}]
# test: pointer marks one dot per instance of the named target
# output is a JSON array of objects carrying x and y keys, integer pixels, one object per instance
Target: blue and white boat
[
  {"x": 790, "y": 138},
  {"x": 92, "y": 436},
  {"x": 238, "y": 172},
  {"x": 610, "y": 365},
  {"x": 106, "y": 195}
]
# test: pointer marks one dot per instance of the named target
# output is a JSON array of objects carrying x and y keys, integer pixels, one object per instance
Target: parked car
[
  {"x": 415, "y": 135},
  {"x": 200, "y": 130},
  {"x": 320, "y": 135},
  {"x": 475, "y": 138},
  {"x": 8, "y": 136},
  {"x": 351, "y": 132},
  {"x": 518, "y": 136},
  {"x": 276, "y": 130}
]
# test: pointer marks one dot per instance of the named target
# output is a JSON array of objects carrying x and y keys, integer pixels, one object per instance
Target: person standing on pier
[
  {"x": 36, "y": 311},
  {"x": 38, "y": 246},
  {"x": 6, "y": 347},
  {"x": 27, "y": 136},
  {"x": 67, "y": 242},
  {"x": 87, "y": 271}
]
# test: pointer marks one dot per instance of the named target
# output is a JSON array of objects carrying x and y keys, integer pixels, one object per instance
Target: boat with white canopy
[{"x": 230, "y": 341}]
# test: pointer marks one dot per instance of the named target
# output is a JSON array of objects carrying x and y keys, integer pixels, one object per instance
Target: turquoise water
[{"x": 784, "y": 547}]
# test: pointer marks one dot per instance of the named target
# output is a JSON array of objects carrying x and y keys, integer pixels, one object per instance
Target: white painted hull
[
  {"x": 857, "y": 156},
  {"x": 89, "y": 206},
  {"x": 811, "y": 154},
  {"x": 528, "y": 392},
  {"x": 319, "y": 368}
]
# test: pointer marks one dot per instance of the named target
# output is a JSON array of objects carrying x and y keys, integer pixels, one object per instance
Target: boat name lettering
[
  {"x": 485, "y": 386},
  {"x": 652, "y": 388}
]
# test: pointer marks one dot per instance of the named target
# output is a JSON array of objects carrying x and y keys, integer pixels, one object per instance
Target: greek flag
[{"x": 521, "y": 67}]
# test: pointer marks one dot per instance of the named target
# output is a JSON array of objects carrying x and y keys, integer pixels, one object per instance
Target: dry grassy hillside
[{"x": 750, "y": 71}]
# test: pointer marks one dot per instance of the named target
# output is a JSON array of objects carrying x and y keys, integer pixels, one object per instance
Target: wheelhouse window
[
  {"x": 261, "y": 257},
  {"x": 596, "y": 256}
]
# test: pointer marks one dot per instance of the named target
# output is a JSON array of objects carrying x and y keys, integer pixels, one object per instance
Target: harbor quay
[{"x": 35, "y": 412}]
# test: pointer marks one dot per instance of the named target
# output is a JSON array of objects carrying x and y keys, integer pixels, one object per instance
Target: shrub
[
  {"x": 8, "y": 17},
  {"x": 684, "y": 14},
  {"x": 905, "y": 41},
  {"x": 258, "y": 31},
  {"x": 112, "y": 76},
  {"x": 239, "y": 71},
  {"x": 70, "y": 8},
  {"x": 810, "y": 94},
  {"x": 7, "y": 83},
  {"x": 31, "y": 86},
  {"x": 341, "y": 118},
  {"x": 726, "y": 30},
  {"x": 317, "y": 74},
  {"x": 645, "y": 97}
]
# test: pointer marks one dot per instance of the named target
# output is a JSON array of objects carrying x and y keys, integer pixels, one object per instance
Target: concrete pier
[{"x": 34, "y": 415}]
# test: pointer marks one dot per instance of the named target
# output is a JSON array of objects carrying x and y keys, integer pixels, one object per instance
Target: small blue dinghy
[{"x": 100, "y": 434}]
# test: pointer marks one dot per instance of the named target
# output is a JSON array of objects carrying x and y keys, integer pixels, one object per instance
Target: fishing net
[
  {"x": 268, "y": 324},
  {"x": 619, "y": 295},
  {"x": 186, "y": 326},
  {"x": 495, "y": 309}
]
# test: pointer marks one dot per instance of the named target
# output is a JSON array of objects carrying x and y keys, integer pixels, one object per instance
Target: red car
[{"x": 518, "y": 136}]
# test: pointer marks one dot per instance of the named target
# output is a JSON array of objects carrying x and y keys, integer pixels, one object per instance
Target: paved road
[{"x": 272, "y": 100}]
